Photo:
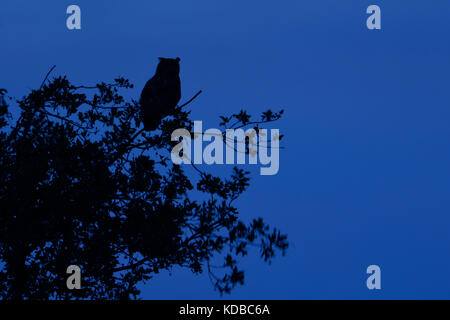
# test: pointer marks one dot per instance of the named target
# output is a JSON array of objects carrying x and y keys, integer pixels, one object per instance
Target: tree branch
[
  {"x": 46, "y": 77},
  {"x": 132, "y": 266},
  {"x": 191, "y": 99}
]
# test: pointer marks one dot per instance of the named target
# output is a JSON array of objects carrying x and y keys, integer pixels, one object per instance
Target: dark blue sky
[{"x": 364, "y": 177}]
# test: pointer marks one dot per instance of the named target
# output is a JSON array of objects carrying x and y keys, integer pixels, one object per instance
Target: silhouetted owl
[{"x": 161, "y": 93}]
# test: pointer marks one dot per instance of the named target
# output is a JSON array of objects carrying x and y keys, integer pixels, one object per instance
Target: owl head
[{"x": 169, "y": 66}]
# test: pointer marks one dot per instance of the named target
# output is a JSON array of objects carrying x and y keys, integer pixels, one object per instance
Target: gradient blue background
[{"x": 364, "y": 177}]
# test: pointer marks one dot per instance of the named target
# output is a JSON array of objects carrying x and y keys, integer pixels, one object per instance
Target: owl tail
[{"x": 151, "y": 123}]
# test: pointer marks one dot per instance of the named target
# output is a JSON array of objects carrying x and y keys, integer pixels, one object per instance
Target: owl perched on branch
[{"x": 161, "y": 93}]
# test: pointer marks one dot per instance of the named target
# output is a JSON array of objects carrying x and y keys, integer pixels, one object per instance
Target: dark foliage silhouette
[
  {"x": 81, "y": 184},
  {"x": 161, "y": 93}
]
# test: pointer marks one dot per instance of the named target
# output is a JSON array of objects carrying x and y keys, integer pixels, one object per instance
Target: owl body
[{"x": 161, "y": 93}]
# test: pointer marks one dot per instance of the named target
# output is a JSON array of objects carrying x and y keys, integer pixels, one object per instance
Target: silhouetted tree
[{"x": 81, "y": 184}]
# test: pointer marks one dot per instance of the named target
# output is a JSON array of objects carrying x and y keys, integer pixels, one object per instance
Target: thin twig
[
  {"x": 67, "y": 120},
  {"x": 16, "y": 129},
  {"x": 192, "y": 99},
  {"x": 46, "y": 77},
  {"x": 133, "y": 265}
]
